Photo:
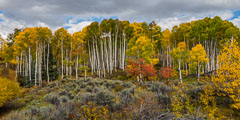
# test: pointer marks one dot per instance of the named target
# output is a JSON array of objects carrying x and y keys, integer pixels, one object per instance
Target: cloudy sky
[{"x": 75, "y": 14}]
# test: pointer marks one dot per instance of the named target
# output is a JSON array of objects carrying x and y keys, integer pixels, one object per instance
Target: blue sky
[
  {"x": 1, "y": 12},
  {"x": 236, "y": 14},
  {"x": 71, "y": 21}
]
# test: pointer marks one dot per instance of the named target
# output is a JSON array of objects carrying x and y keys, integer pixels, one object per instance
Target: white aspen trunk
[
  {"x": 20, "y": 64},
  {"x": 179, "y": 68},
  {"x": 116, "y": 37},
  {"x": 66, "y": 58},
  {"x": 71, "y": 60},
  {"x": 120, "y": 54},
  {"x": 106, "y": 53},
  {"x": 163, "y": 59},
  {"x": 36, "y": 62},
  {"x": 77, "y": 66},
  {"x": 211, "y": 55},
  {"x": 167, "y": 56},
  {"x": 103, "y": 65},
  {"x": 26, "y": 65},
  {"x": 48, "y": 62},
  {"x": 124, "y": 52},
  {"x": 198, "y": 71},
  {"x": 29, "y": 61},
  {"x": 208, "y": 55},
  {"x": 85, "y": 71},
  {"x": 94, "y": 56},
  {"x": 110, "y": 51},
  {"x": 23, "y": 64},
  {"x": 62, "y": 56},
  {"x": 215, "y": 55},
  {"x": 16, "y": 74},
  {"x": 90, "y": 57},
  {"x": 98, "y": 60},
  {"x": 180, "y": 72},
  {"x": 40, "y": 65},
  {"x": 44, "y": 59}
]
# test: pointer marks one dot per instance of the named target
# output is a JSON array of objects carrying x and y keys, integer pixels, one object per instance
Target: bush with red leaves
[
  {"x": 166, "y": 72},
  {"x": 139, "y": 67}
]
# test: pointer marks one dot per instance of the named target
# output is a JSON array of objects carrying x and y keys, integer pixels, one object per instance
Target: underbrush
[{"x": 102, "y": 99}]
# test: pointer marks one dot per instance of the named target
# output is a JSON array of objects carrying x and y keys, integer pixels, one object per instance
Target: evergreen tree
[{"x": 53, "y": 72}]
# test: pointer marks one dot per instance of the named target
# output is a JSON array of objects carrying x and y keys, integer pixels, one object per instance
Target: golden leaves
[
  {"x": 198, "y": 54},
  {"x": 8, "y": 89}
]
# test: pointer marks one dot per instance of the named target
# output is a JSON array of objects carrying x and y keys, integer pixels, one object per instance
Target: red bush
[
  {"x": 166, "y": 73},
  {"x": 139, "y": 67}
]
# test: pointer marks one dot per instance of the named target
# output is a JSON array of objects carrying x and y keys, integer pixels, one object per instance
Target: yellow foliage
[
  {"x": 198, "y": 54},
  {"x": 226, "y": 83},
  {"x": 142, "y": 48},
  {"x": 8, "y": 90},
  {"x": 228, "y": 75},
  {"x": 93, "y": 112},
  {"x": 165, "y": 41},
  {"x": 177, "y": 100},
  {"x": 180, "y": 53}
]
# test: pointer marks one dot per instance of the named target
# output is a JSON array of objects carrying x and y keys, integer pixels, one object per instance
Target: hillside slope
[{"x": 93, "y": 98}]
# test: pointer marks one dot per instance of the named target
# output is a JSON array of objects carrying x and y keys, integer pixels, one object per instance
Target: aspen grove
[{"x": 204, "y": 52}]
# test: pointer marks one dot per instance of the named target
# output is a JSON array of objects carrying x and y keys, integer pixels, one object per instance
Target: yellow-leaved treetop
[
  {"x": 8, "y": 89},
  {"x": 180, "y": 53},
  {"x": 198, "y": 57},
  {"x": 166, "y": 43},
  {"x": 142, "y": 48},
  {"x": 227, "y": 80}
]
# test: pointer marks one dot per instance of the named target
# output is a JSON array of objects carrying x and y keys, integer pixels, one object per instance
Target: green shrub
[
  {"x": 127, "y": 96},
  {"x": 105, "y": 98},
  {"x": 53, "y": 99},
  {"x": 86, "y": 97},
  {"x": 158, "y": 87}
]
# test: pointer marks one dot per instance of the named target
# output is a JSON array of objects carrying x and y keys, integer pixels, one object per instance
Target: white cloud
[
  {"x": 227, "y": 14},
  {"x": 8, "y": 25},
  {"x": 170, "y": 22},
  {"x": 53, "y": 13},
  {"x": 236, "y": 22},
  {"x": 78, "y": 27}
]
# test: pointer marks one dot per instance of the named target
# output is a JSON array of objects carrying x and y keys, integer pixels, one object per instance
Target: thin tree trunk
[
  {"x": 103, "y": 65},
  {"x": 47, "y": 63},
  {"x": 36, "y": 62},
  {"x": 40, "y": 66},
  {"x": 180, "y": 72},
  {"x": 71, "y": 60},
  {"x": 198, "y": 71},
  {"x": 90, "y": 57},
  {"x": 20, "y": 64},
  {"x": 167, "y": 56},
  {"x": 16, "y": 74},
  {"x": 106, "y": 53},
  {"x": 85, "y": 71},
  {"x": 66, "y": 65},
  {"x": 110, "y": 50},
  {"x": 98, "y": 59},
  {"x": 62, "y": 56},
  {"x": 116, "y": 37},
  {"x": 29, "y": 61},
  {"x": 77, "y": 66},
  {"x": 124, "y": 52}
]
